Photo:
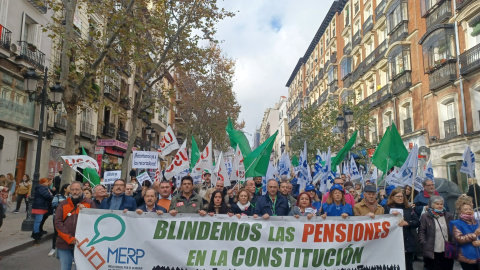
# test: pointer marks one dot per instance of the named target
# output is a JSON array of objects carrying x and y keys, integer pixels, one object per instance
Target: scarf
[
  {"x": 243, "y": 207},
  {"x": 467, "y": 217},
  {"x": 434, "y": 213}
]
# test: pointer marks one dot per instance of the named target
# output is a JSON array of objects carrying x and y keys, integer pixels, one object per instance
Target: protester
[
  {"x": 474, "y": 191},
  {"x": 466, "y": 231},
  {"x": 310, "y": 190},
  {"x": 348, "y": 197},
  {"x": 408, "y": 193},
  {"x": 398, "y": 205},
  {"x": 250, "y": 187},
  {"x": 421, "y": 200},
  {"x": 22, "y": 192},
  {"x": 381, "y": 195},
  {"x": 243, "y": 206},
  {"x": 369, "y": 205},
  {"x": 57, "y": 180},
  {"x": 335, "y": 204},
  {"x": 87, "y": 192},
  {"x": 187, "y": 201},
  {"x": 129, "y": 189},
  {"x": 118, "y": 200},
  {"x": 388, "y": 191},
  {"x": 49, "y": 207},
  {"x": 356, "y": 196},
  {"x": 201, "y": 188},
  {"x": 303, "y": 207},
  {"x": 11, "y": 190},
  {"x": 165, "y": 194},
  {"x": 258, "y": 185},
  {"x": 40, "y": 205},
  {"x": 62, "y": 195},
  {"x": 138, "y": 196},
  {"x": 134, "y": 182},
  {"x": 150, "y": 203},
  {"x": 87, "y": 184},
  {"x": 433, "y": 233},
  {"x": 66, "y": 218},
  {"x": 218, "y": 205},
  {"x": 285, "y": 192},
  {"x": 99, "y": 194},
  {"x": 272, "y": 203},
  {"x": 4, "y": 188}
]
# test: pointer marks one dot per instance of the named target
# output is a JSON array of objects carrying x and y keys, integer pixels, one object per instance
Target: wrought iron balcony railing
[
  {"x": 470, "y": 60},
  {"x": 450, "y": 127}
]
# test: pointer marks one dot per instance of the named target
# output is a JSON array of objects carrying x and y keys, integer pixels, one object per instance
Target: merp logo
[{"x": 110, "y": 231}]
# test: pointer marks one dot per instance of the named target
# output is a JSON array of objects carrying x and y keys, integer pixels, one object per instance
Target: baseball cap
[{"x": 309, "y": 188}]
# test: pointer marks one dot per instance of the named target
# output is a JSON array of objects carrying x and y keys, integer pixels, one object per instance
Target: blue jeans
[
  {"x": 66, "y": 258},
  {"x": 36, "y": 224}
]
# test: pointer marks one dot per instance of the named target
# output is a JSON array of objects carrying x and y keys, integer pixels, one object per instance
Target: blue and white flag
[
  {"x": 326, "y": 175},
  {"x": 408, "y": 172},
  {"x": 354, "y": 173},
  {"x": 318, "y": 169},
  {"x": 428, "y": 173},
  {"x": 272, "y": 172},
  {"x": 468, "y": 164},
  {"x": 284, "y": 165},
  {"x": 304, "y": 176},
  {"x": 374, "y": 176}
]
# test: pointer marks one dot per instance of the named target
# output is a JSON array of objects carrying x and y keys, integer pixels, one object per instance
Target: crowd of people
[{"x": 427, "y": 224}]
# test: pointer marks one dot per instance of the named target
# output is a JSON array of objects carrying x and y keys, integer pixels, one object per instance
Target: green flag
[
  {"x": 341, "y": 154},
  {"x": 256, "y": 163},
  {"x": 390, "y": 151},
  {"x": 238, "y": 137},
  {"x": 90, "y": 173},
  {"x": 295, "y": 161},
  {"x": 195, "y": 155}
]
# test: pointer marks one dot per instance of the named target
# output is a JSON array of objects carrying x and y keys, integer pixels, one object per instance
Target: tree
[{"x": 208, "y": 99}]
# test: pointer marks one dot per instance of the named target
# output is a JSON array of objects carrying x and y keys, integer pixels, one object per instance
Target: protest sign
[
  {"x": 109, "y": 177},
  {"x": 142, "y": 177},
  {"x": 81, "y": 161},
  {"x": 144, "y": 160},
  {"x": 190, "y": 241}
]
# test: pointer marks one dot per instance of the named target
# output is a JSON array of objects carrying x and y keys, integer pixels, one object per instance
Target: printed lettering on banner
[
  {"x": 142, "y": 177},
  {"x": 220, "y": 242},
  {"x": 144, "y": 160},
  {"x": 109, "y": 177}
]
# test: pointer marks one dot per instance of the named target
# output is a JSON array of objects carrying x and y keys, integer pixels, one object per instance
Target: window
[
  {"x": 438, "y": 48},
  {"x": 397, "y": 13},
  {"x": 31, "y": 31},
  {"x": 473, "y": 32},
  {"x": 387, "y": 120},
  {"x": 450, "y": 110},
  {"x": 332, "y": 74},
  {"x": 373, "y": 130},
  {"x": 399, "y": 61},
  {"x": 346, "y": 67},
  {"x": 3, "y": 11},
  {"x": 428, "y": 5}
]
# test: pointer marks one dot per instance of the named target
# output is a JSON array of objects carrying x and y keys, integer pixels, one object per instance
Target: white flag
[
  {"x": 428, "y": 173},
  {"x": 271, "y": 172},
  {"x": 205, "y": 162},
  {"x": 221, "y": 172},
  {"x": 81, "y": 161},
  {"x": 354, "y": 173},
  {"x": 168, "y": 142},
  {"x": 374, "y": 176},
  {"x": 408, "y": 171},
  {"x": 468, "y": 164},
  {"x": 179, "y": 163},
  {"x": 238, "y": 172}
]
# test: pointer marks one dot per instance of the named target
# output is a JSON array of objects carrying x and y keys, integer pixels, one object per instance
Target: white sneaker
[{"x": 51, "y": 253}]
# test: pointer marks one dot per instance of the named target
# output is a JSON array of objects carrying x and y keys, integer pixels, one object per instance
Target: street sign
[{"x": 99, "y": 150}]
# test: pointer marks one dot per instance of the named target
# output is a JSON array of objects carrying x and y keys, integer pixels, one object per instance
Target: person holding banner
[
  {"x": 186, "y": 201},
  {"x": 303, "y": 207},
  {"x": 150, "y": 203},
  {"x": 310, "y": 190},
  {"x": 466, "y": 231},
  {"x": 99, "y": 194},
  {"x": 243, "y": 207},
  {"x": 285, "y": 192},
  {"x": 335, "y": 204},
  {"x": 348, "y": 197},
  {"x": 272, "y": 203},
  {"x": 118, "y": 200},
  {"x": 433, "y": 233},
  {"x": 165, "y": 190},
  {"x": 369, "y": 205},
  {"x": 218, "y": 205},
  {"x": 397, "y": 205}
]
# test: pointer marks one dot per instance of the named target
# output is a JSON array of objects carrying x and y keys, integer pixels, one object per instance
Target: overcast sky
[{"x": 266, "y": 38}]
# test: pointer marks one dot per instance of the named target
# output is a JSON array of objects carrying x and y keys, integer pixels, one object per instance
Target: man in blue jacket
[
  {"x": 272, "y": 203},
  {"x": 118, "y": 200}
]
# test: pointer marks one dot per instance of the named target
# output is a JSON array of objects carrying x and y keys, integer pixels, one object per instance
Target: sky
[{"x": 266, "y": 38}]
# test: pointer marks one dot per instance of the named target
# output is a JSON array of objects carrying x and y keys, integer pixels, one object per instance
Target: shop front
[{"x": 110, "y": 154}]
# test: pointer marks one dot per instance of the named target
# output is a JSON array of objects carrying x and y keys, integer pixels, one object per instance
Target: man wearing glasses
[
  {"x": 421, "y": 200},
  {"x": 99, "y": 194},
  {"x": 119, "y": 200}
]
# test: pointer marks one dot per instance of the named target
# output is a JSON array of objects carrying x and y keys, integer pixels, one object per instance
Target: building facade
[{"x": 413, "y": 63}]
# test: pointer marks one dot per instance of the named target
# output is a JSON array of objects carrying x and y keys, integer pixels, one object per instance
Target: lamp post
[
  {"x": 151, "y": 133},
  {"x": 282, "y": 147},
  {"x": 32, "y": 78},
  {"x": 343, "y": 121}
]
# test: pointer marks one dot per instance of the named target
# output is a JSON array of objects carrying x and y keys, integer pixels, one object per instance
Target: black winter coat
[
  {"x": 43, "y": 198},
  {"x": 426, "y": 233},
  {"x": 236, "y": 210},
  {"x": 408, "y": 231}
]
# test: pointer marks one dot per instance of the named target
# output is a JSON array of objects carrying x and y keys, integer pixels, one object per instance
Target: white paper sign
[
  {"x": 109, "y": 177},
  {"x": 399, "y": 210},
  {"x": 142, "y": 177},
  {"x": 145, "y": 160}
]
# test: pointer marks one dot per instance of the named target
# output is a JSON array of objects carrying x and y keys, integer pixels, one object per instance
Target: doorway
[
  {"x": 21, "y": 159},
  {"x": 454, "y": 175}
]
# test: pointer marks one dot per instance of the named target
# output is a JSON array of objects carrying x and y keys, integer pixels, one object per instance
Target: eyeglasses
[
  {"x": 118, "y": 185},
  {"x": 398, "y": 196}
]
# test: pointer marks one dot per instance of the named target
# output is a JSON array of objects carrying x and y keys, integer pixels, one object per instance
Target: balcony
[
  {"x": 61, "y": 121},
  {"x": 442, "y": 76},
  {"x": 358, "y": 72},
  {"x": 357, "y": 8},
  {"x": 347, "y": 49},
  {"x": 86, "y": 130},
  {"x": 470, "y": 60},
  {"x": 378, "y": 97},
  {"x": 333, "y": 58},
  {"x": 40, "y": 5},
  {"x": 407, "y": 126},
  {"x": 111, "y": 92},
  {"x": 31, "y": 55},
  {"x": 347, "y": 21},
  {"x": 320, "y": 73},
  {"x": 441, "y": 14},
  {"x": 122, "y": 135},
  {"x": 109, "y": 130},
  {"x": 327, "y": 64},
  {"x": 322, "y": 98},
  {"x": 380, "y": 9},
  {"x": 333, "y": 86},
  {"x": 462, "y": 3},
  {"x": 399, "y": 33},
  {"x": 402, "y": 82},
  {"x": 357, "y": 38},
  {"x": 367, "y": 25},
  {"x": 293, "y": 122},
  {"x": 450, "y": 127},
  {"x": 125, "y": 103},
  {"x": 6, "y": 38},
  {"x": 347, "y": 81}
]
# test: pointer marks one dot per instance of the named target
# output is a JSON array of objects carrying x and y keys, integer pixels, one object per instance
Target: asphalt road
[{"x": 34, "y": 257}]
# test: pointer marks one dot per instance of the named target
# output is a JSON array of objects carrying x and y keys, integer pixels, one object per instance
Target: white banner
[
  {"x": 142, "y": 177},
  {"x": 109, "y": 177},
  {"x": 179, "y": 162},
  {"x": 120, "y": 240},
  {"x": 168, "y": 143},
  {"x": 205, "y": 162},
  {"x": 81, "y": 161},
  {"x": 145, "y": 160}
]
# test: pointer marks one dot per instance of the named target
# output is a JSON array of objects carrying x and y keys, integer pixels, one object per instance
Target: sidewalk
[{"x": 13, "y": 239}]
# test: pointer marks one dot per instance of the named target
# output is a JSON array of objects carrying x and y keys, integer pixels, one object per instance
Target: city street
[{"x": 34, "y": 257}]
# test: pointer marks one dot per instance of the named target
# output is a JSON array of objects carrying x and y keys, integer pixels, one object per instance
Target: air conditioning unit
[{"x": 15, "y": 48}]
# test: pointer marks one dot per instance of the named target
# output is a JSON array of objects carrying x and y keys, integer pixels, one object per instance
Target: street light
[
  {"x": 344, "y": 120},
  {"x": 32, "y": 78},
  {"x": 282, "y": 147},
  {"x": 151, "y": 133}
]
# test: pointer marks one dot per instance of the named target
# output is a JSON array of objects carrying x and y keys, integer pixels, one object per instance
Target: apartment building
[{"x": 411, "y": 62}]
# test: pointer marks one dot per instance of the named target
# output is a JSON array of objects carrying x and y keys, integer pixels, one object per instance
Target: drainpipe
[{"x": 457, "y": 47}]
